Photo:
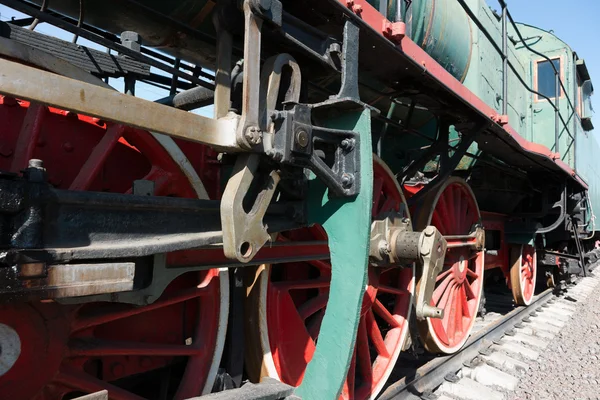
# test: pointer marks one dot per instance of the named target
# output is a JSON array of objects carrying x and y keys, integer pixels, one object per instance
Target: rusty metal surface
[
  {"x": 38, "y": 281},
  {"x": 21, "y": 81}
]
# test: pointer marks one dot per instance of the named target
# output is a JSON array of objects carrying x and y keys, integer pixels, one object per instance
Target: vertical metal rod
[
  {"x": 557, "y": 113},
  {"x": 173, "y": 90},
  {"x": 575, "y": 116},
  {"x": 223, "y": 70},
  {"x": 383, "y": 7},
  {"x": 390, "y": 114},
  {"x": 504, "y": 60}
]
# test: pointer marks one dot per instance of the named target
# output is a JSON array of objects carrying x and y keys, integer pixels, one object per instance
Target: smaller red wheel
[
  {"x": 453, "y": 210},
  {"x": 523, "y": 272}
]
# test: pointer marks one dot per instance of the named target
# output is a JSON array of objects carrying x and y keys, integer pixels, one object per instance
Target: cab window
[{"x": 546, "y": 81}]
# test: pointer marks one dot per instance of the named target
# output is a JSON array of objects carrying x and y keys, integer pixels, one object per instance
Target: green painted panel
[
  {"x": 442, "y": 29},
  {"x": 348, "y": 224}
]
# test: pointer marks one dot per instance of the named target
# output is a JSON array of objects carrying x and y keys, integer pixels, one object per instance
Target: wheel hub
[
  {"x": 10, "y": 348},
  {"x": 32, "y": 343}
]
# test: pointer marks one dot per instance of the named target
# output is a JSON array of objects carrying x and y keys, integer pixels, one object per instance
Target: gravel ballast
[{"x": 569, "y": 367}]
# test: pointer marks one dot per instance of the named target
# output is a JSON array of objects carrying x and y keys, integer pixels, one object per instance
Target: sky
[{"x": 576, "y": 22}]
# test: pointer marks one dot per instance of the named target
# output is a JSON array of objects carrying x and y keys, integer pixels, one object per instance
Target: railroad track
[{"x": 503, "y": 344}]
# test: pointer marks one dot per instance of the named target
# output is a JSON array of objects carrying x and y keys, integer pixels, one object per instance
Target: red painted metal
[
  {"x": 495, "y": 222},
  {"x": 69, "y": 349},
  {"x": 458, "y": 286},
  {"x": 528, "y": 270},
  {"x": 523, "y": 273},
  {"x": 297, "y": 295},
  {"x": 278, "y": 251},
  {"x": 376, "y": 20}
]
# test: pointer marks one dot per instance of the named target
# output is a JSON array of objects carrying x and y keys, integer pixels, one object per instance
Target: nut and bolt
[
  {"x": 335, "y": 47},
  {"x": 253, "y": 135},
  {"x": 131, "y": 40},
  {"x": 302, "y": 138},
  {"x": 347, "y": 180},
  {"x": 384, "y": 248},
  {"x": 429, "y": 231},
  {"x": 348, "y": 144},
  {"x": 35, "y": 163},
  {"x": 274, "y": 154}
]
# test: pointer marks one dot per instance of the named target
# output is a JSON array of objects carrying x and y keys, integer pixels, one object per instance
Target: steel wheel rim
[
  {"x": 524, "y": 271},
  {"x": 207, "y": 297},
  {"x": 460, "y": 283},
  {"x": 276, "y": 362}
]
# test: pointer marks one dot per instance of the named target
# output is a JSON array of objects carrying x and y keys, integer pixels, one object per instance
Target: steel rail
[{"x": 429, "y": 376}]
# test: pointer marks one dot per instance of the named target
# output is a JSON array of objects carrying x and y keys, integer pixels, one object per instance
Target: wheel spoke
[
  {"x": 302, "y": 284},
  {"x": 465, "y": 303},
  {"x": 28, "y": 136},
  {"x": 443, "y": 274},
  {"x": 95, "y": 161},
  {"x": 89, "y": 384},
  {"x": 375, "y": 335},
  {"x": 377, "y": 186},
  {"x": 161, "y": 179},
  {"x": 312, "y": 306},
  {"x": 451, "y": 321},
  {"x": 438, "y": 222},
  {"x": 102, "y": 348},
  {"x": 472, "y": 273},
  {"x": 442, "y": 287},
  {"x": 385, "y": 314},
  {"x": 458, "y": 327},
  {"x": 314, "y": 326},
  {"x": 363, "y": 355},
  {"x": 351, "y": 379},
  {"x": 448, "y": 305},
  {"x": 393, "y": 290},
  {"x": 469, "y": 290},
  {"x": 388, "y": 205},
  {"x": 320, "y": 264},
  {"x": 447, "y": 200},
  {"x": 104, "y": 317},
  {"x": 462, "y": 212},
  {"x": 458, "y": 209}
]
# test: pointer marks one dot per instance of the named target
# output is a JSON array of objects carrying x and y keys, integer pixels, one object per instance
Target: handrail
[{"x": 507, "y": 62}]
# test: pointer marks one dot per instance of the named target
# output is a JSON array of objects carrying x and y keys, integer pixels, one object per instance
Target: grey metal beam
[{"x": 28, "y": 83}]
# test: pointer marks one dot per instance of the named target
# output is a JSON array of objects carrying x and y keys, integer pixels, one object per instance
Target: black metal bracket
[
  {"x": 268, "y": 10},
  {"x": 562, "y": 205},
  {"x": 448, "y": 164},
  {"x": 332, "y": 154}
]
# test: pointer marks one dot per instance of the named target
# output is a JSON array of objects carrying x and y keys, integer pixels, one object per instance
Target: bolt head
[
  {"x": 253, "y": 135},
  {"x": 348, "y": 144},
  {"x": 347, "y": 180},
  {"x": 384, "y": 248},
  {"x": 35, "y": 163},
  {"x": 302, "y": 138},
  {"x": 429, "y": 231}
]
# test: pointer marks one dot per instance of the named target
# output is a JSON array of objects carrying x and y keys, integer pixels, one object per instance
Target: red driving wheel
[
  {"x": 287, "y": 303},
  {"x": 168, "y": 349},
  {"x": 453, "y": 210}
]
